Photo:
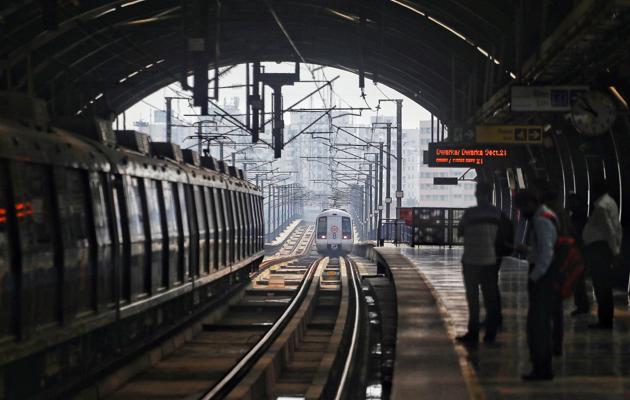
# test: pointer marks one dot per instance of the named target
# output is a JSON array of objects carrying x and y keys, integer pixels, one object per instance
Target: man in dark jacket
[{"x": 479, "y": 227}]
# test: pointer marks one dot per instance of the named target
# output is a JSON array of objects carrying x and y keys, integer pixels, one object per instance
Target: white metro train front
[{"x": 334, "y": 232}]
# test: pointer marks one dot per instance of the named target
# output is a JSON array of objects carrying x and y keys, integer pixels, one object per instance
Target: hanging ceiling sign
[
  {"x": 509, "y": 134},
  {"x": 453, "y": 155},
  {"x": 543, "y": 98}
]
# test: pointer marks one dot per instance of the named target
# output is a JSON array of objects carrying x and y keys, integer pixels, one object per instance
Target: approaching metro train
[{"x": 334, "y": 232}]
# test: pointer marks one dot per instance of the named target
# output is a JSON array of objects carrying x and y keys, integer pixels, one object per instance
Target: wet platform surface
[
  {"x": 426, "y": 365},
  {"x": 595, "y": 364}
]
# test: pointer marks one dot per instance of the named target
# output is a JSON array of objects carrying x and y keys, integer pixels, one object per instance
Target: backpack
[
  {"x": 567, "y": 264},
  {"x": 504, "y": 242}
]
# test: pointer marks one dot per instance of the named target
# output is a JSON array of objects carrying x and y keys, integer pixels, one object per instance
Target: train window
[
  {"x": 212, "y": 230},
  {"x": 155, "y": 223},
  {"x": 346, "y": 228},
  {"x": 229, "y": 223},
  {"x": 123, "y": 237},
  {"x": 7, "y": 278},
  {"x": 153, "y": 208},
  {"x": 170, "y": 213},
  {"x": 103, "y": 246},
  {"x": 261, "y": 219},
  {"x": 73, "y": 216},
  {"x": 202, "y": 224},
  {"x": 134, "y": 210},
  {"x": 237, "y": 223},
  {"x": 99, "y": 208},
  {"x": 238, "y": 216},
  {"x": 40, "y": 279},
  {"x": 261, "y": 226},
  {"x": 135, "y": 219},
  {"x": 253, "y": 223},
  {"x": 184, "y": 233},
  {"x": 322, "y": 227},
  {"x": 222, "y": 235},
  {"x": 193, "y": 269}
]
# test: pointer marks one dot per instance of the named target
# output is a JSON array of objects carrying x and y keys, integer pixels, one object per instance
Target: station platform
[{"x": 595, "y": 364}]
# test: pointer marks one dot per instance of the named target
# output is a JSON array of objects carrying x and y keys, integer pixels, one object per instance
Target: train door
[{"x": 334, "y": 229}]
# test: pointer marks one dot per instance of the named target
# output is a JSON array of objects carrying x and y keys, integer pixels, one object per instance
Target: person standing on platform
[
  {"x": 479, "y": 227},
  {"x": 576, "y": 209},
  {"x": 602, "y": 242},
  {"x": 550, "y": 197},
  {"x": 540, "y": 241}
]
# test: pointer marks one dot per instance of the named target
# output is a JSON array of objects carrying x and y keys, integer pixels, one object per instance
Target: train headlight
[
  {"x": 322, "y": 237},
  {"x": 346, "y": 237}
]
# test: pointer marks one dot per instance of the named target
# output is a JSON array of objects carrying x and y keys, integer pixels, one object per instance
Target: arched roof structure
[{"x": 113, "y": 53}]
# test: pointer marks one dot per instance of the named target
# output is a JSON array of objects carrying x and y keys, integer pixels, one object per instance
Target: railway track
[
  {"x": 290, "y": 323},
  {"x": 311, "y": 356},
  {"x": 297, "y": 245}
]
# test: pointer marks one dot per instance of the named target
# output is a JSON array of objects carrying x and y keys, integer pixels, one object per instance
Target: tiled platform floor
[{"x": 595, "y": 364}]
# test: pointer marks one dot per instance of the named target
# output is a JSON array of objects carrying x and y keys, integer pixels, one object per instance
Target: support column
[
  {"x": 398, "y": 164},
  {"x": 388, "y": 188},
  {"x": 370, "y": 207},
  {"x": 380, "y": 194},
  {"x": 199, "y": 131},
  {"x": 366, "y": 207},
  {"x": 269, "y": 227},
  {"x": 169, "y": 127}
]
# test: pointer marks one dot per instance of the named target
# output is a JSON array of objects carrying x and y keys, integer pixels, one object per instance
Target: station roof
[{"x": 107, "y": 55}]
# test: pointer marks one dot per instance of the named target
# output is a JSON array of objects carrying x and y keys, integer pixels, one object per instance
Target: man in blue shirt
[{"x": 540, "y": 242}]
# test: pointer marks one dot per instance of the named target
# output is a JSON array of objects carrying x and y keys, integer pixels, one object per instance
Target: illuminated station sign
[{"x": 465, "y": 155}]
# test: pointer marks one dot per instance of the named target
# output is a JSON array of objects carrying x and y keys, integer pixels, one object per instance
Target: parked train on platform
[
  {"x": 103, "y": 225},
  {"x": 334, "y": 232}
]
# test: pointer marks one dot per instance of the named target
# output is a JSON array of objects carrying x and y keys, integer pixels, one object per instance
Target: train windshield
[
  {"x": 346, "y": 228},
  {"x": 322, "y": 227}
]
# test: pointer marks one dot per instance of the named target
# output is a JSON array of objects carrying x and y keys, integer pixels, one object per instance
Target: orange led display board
[{"x": 465, "y": 155}]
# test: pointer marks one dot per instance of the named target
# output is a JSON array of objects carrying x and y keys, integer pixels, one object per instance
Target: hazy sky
[{"x": 346, "y": 94}]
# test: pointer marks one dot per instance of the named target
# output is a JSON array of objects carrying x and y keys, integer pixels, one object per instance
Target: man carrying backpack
[
  {"x": 482, "y": 228},
  {"x": 540, "y": 242},
  {"x": 602, "y": 242}
]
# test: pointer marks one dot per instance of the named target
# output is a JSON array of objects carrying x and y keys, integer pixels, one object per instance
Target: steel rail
[
  {"x": 253, "y": 354},
  {"x": 355, "y": 330}
]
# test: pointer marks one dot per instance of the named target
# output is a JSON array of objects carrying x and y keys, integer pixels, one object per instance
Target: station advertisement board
[
  {"x": 464, "y": 155},
  {"x": 510, "y": 134}
]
